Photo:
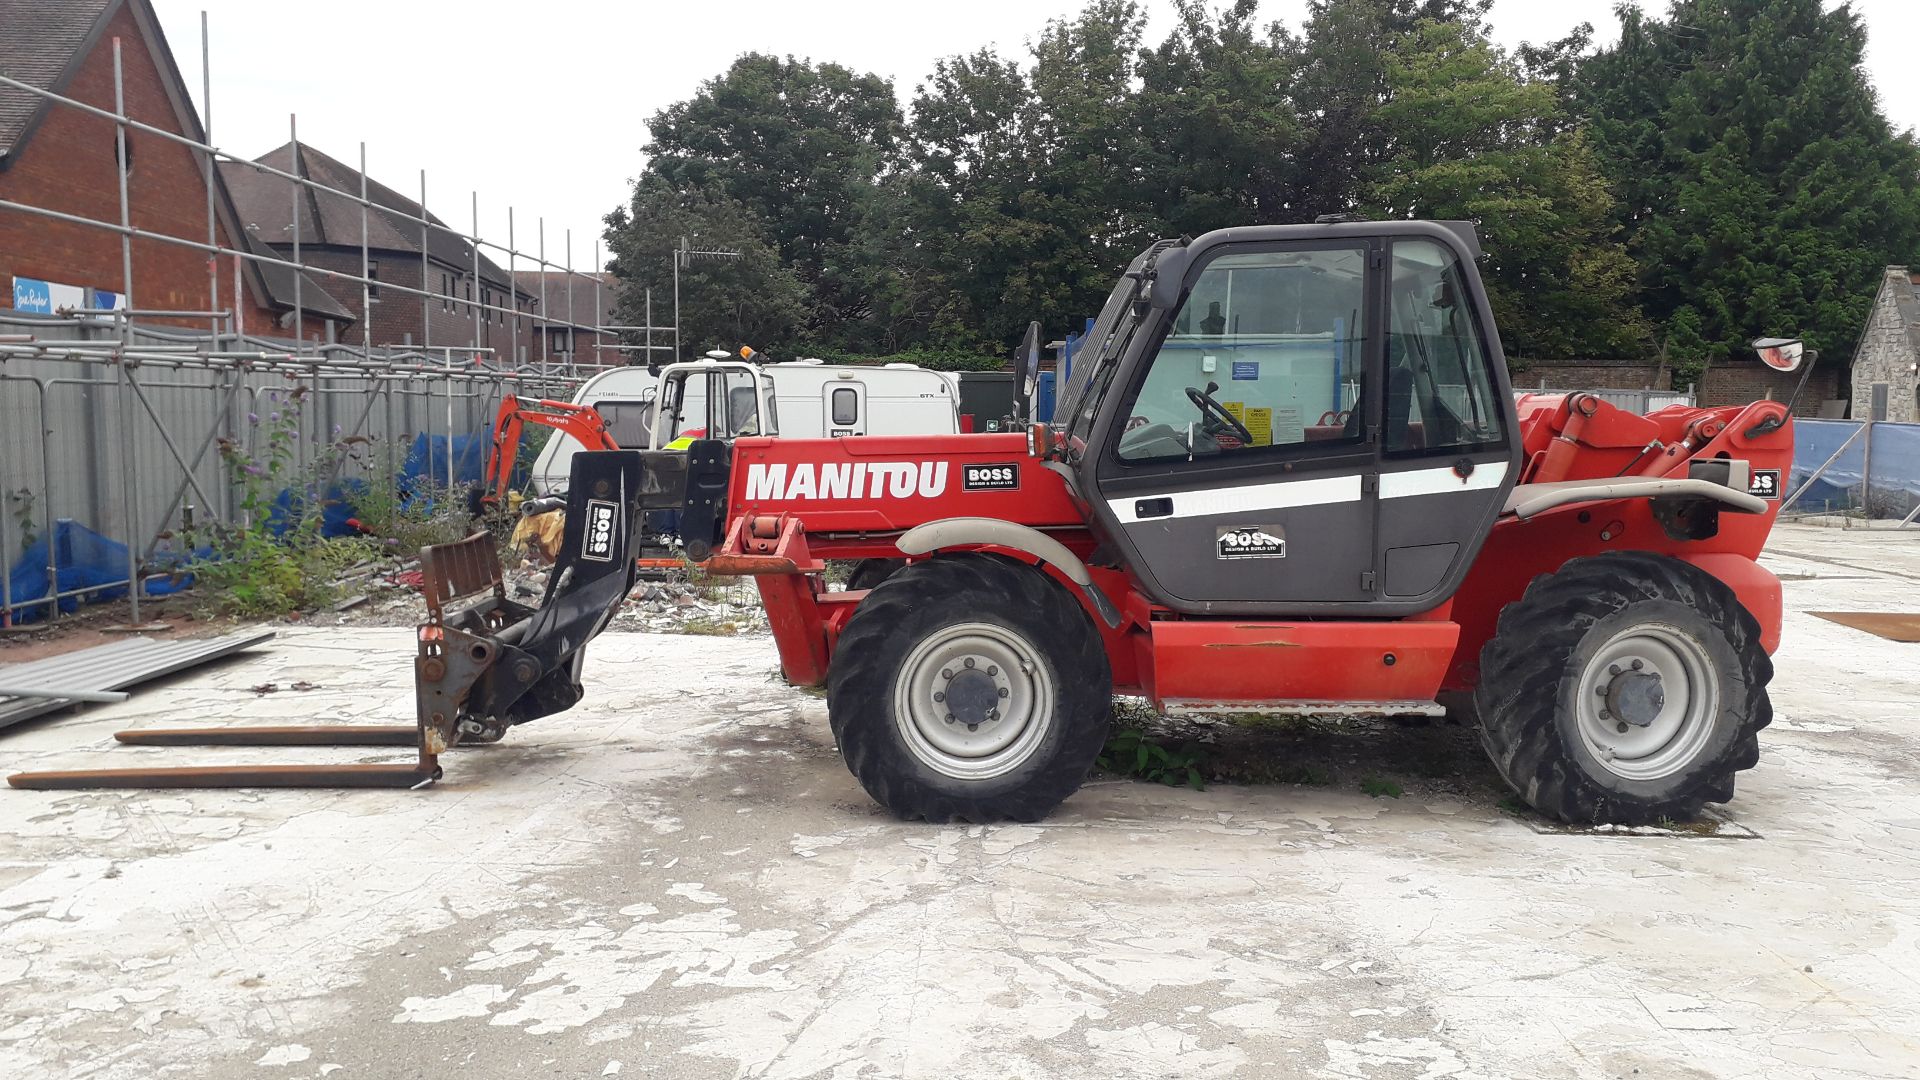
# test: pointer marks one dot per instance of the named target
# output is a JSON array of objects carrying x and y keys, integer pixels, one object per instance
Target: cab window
[
  {"x": 629, "y": 422},
  {"x": 1440, "y": 389},
  {"x": 1266, "y": 352}
]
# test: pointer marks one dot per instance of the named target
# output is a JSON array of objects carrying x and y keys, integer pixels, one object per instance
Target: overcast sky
[{"x": 542, "y": 107}]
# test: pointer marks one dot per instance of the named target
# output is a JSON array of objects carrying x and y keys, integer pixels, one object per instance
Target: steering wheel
[{"x": 1213, "y": 410}]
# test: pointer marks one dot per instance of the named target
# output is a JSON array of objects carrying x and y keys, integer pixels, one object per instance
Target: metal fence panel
[
  {"x": 1842, "y": 483},
  {"x": 78, "y": 442}
]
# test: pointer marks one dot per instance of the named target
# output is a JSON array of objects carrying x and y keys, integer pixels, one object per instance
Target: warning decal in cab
[
  {"x": 1764, "y": 483},
  {"x": 598, "y": 543},
  {"x": 1001, "y": 477},
  {"x": 1251, "y": 542}
]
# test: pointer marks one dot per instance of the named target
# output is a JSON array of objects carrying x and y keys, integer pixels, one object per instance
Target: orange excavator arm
[{"x": 583, "y": 422}]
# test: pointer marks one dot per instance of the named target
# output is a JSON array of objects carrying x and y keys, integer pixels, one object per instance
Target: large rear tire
[
  {"x": 970, "y": 687},
  {"x": 869, "y": 573},
  {"x": 1624, "y": 688}
]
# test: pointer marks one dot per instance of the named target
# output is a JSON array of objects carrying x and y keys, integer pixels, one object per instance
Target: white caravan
[{"x": 801, "y": 399}]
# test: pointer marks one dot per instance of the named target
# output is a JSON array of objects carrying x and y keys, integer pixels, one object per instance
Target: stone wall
[{"x": 1889, "y": 349}]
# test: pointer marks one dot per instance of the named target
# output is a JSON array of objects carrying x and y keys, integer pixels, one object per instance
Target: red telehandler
[{"x": 1288, "y": 474}]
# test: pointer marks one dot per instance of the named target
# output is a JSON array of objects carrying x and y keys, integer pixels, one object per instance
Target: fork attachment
[{"x": 478, "y": 669}]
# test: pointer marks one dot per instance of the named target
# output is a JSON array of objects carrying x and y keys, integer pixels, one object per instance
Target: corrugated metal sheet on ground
[{"x": 110, "y": 667}]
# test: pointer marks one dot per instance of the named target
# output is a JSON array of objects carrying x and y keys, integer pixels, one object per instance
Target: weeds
[
  {"x": 22, "y": 511},
  {"x": 1131, "y": 752},
  {"x": 1380, "y": 787},
  {"x": 277, "y": 559},
  {"x": 407, "y": 516},
  {"x": 271, "y": 562}
]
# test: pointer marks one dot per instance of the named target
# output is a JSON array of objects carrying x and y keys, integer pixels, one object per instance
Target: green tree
[
  {"x": 1024, "y": 194},
  {"x": 1763, "y": 190},
  {"x": 1217, "y": 132},
  {"x": 1340, "y": 81},
  {"x": 797, "y": 144},
  {"x": 1464, "y": 135},
  {"x": 756, "y": 299}
]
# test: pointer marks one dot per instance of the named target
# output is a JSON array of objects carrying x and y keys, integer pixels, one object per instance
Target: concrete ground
[{"x": 679, "y": 879}]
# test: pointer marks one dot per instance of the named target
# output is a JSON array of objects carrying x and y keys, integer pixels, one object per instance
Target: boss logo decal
[
  {"x": 1250, "y": 542},
  {"x": 598, "y": 544},
  {"x": 1004, "y": 477},
  {"x": 1764, "y": 483}
]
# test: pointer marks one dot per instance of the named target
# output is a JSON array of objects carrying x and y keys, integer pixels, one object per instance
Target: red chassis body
[{"x": 860, "y": 494}]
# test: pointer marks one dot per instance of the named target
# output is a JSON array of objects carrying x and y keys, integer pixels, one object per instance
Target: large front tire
[
  {"x": 1624, "y": 688},
  {"x": 970, "y": 687}
]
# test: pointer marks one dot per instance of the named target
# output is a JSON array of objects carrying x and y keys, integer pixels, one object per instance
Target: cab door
[
  {"x": 1241, "y": 468},
  {"x": 1447, "y": 459},
  {"x": 845, "y": 403}
]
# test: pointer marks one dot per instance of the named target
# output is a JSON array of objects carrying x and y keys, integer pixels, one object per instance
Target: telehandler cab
[{"x": 1289, "y": 475}]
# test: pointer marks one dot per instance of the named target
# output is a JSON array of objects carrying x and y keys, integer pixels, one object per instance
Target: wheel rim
[
  {"x": 1647, "y": 702},
  {"x": 973, "y": 701}
]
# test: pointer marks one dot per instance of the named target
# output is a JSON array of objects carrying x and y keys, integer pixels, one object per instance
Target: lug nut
[
  {"x": 1637, "y": 665},
  {"x": 946, "y": 673},
  {"x": 973, "y": 727},
  {"x": 1004, "y": 692},
  {"x": 1605, "y": 715},
  {"x": 993, "y": 669},
  {"x": 1613, "y": 669},
  {"x": 969, "y": 661},
  {"x": 993, "y": 714},
  {"x": 939, "y": 696},
  {"x": 949, "y": 718},
  {"x": 1623, "y": 729}
]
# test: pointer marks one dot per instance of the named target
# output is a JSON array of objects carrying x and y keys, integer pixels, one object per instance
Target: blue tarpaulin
[
  {"x": 1896, "y": 466},
  {"x": 337, "y": 507},
  {"x": 83, "y": 559},
  {"x": 428, "y": 458}
]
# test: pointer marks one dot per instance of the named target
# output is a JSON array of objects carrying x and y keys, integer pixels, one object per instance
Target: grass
[{"x": 1380, "y": 787}]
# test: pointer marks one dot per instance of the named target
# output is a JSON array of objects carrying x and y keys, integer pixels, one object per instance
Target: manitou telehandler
[{"x": 1288, "y": 475}]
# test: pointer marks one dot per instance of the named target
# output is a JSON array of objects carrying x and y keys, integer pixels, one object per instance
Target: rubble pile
[
  {"x": 687, "y": 607},
  {"x": 685, "y": 603}
]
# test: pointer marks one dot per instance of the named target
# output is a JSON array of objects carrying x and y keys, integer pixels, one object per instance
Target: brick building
[
  {"x": 59, "y": 158},
  {"x": 329, "y": 229},
  {"x": 575, "y": 307},
  {"x": 1890, "y": 349}
]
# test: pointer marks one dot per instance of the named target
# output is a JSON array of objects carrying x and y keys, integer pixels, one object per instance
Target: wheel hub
[
  {"x": 1647, "y": 702},
  {"x": 973, "y": 696},
  {"x": 972, "y": 702},
  {"x": 1636, "y": 697}
]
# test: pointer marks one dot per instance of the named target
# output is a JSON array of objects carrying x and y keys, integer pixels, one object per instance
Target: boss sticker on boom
[
  {"x": 1002, "y": 477},
  {"x": 1764, "y": 483},
  {"x": 1250, "y": 542},
  {"x": 598, "y": 543}
]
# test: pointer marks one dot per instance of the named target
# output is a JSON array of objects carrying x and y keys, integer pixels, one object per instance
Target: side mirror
[
  {"x": 1026, "y": 372},
  {"x": 1781, "y": 354},
  {"x": 1169, "y": 278}
]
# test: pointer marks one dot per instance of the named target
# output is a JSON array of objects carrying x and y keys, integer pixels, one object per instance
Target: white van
[{"x": 802, "y": 399}]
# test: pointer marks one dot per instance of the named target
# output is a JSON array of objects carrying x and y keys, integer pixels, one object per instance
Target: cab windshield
[{"x": 1088, "y": 380}]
